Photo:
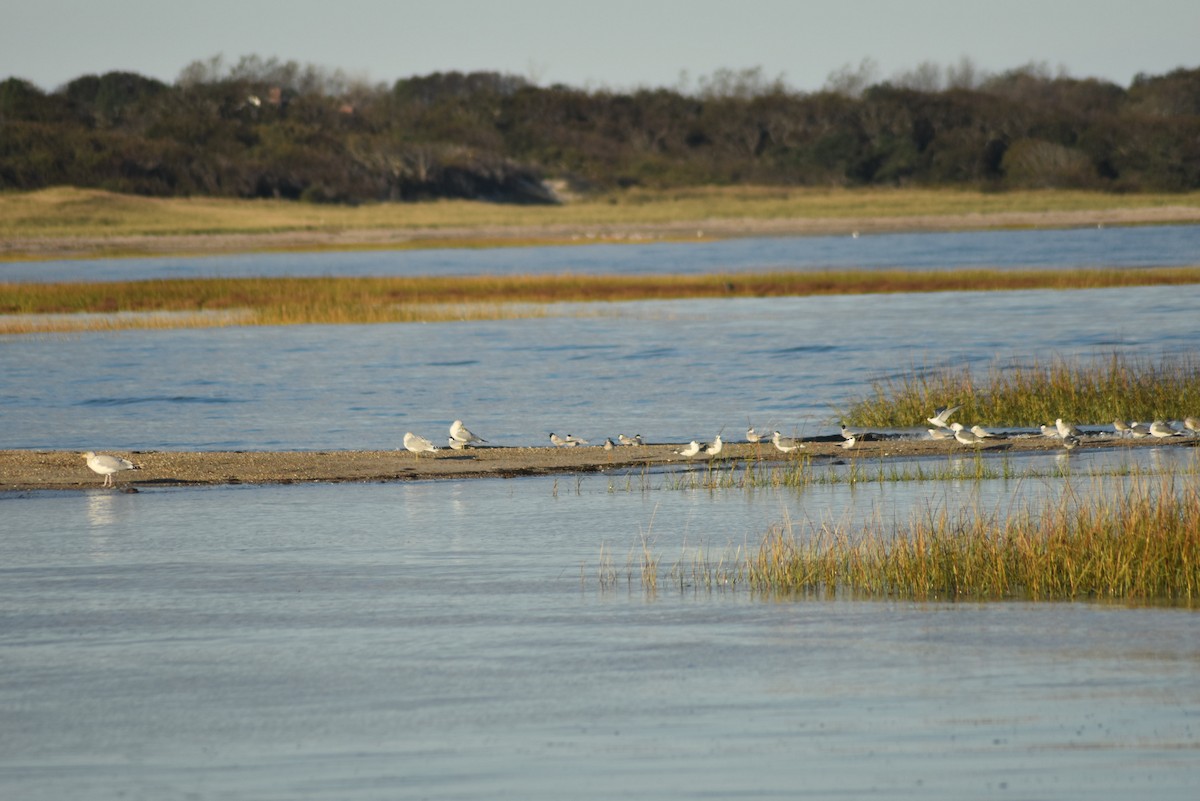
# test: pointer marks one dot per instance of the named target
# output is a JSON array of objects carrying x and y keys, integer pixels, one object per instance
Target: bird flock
[{"x": 461, "y": 438}]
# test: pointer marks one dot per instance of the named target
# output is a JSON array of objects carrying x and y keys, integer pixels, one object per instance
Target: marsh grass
[
  {"x": 1138, "y": 540},
  {"x": 324, "y": 300},
  {"x": 1013, "y": 394},
  {"x": 1131, "y": 539}
]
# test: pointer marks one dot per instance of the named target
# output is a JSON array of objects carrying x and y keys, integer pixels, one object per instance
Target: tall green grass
[{"x": 1013, "y": 394}]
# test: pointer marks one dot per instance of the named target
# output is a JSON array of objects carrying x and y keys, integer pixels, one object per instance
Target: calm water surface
[
  {"x": 672, "y": 371},
  {"x": 452, "y": 640}
]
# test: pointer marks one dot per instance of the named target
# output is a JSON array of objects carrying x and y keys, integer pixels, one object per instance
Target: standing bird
[
  {"x": 941, "y": 415},
  {"x": 848, "y": 434},
  {"x": 714, "y": 447},
  {"x": 756, "y": 436},
  {"x": 417, "y": 444},
  {"x": 691, "y": 450},
  {"x": 784, "y": 444},
  {"x": 460, "y": 432},
  {"x": 1066, "y": 429},
  {"x": 965, "y": 435},
  {"x": 107, "y": 465}
]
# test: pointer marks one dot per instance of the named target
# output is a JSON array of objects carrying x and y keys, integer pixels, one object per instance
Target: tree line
[{"x": 262, "y": 128}]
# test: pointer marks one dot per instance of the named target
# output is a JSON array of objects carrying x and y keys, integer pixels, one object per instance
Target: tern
[
  {"x": 1066, "y": 429},
  {"x": 784, "y": 444},
  {"x": 418, "y": 444},
  {"x": 940, "y": 433},
  {"x": 849, "y": 442},
  {"x": 608, "y": 444},
  {"x": 1161, "y": 430},
  {"x": 981, "y": 432},
  {"x": 964, "y": 435},
  {"x": 756, "y": 436},
  {"x": 714, "y": 447},
  {"x": 848, "y": 434},
  {"x": 691, "y": 450},
  {"x": 107, "y": 465},
  {"x": 1070, "y": 442},
  {"x": 1052, "y": 433},
  {"x": 636, "y": 439},
  {"x": 1138, "y": 430},
  {"x": 941, "y": 415},
  {"x": 460, "y": 432},
  {"x": 569, "y": 441}
]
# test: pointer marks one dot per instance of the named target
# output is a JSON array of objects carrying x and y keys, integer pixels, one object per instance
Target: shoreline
[
  {"x": 33, "y": 470},
  {"x": 490, "y": 235}
]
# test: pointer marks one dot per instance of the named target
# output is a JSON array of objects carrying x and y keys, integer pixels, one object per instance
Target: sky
[{"x": 603, "y": 44}]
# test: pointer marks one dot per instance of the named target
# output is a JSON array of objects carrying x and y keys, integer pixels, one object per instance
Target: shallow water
[
  {"x": 452, "y": 640},
  {"x": 672, "y": 371},
  {"x": 1149, "y": 246}
]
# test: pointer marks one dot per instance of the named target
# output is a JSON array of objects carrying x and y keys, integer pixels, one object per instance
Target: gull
[
  {"x": 460, "y": 432},
  {"x": 1138, "y": 430},
  {"x": 714, "y": 447},
  {"x": 106, "y": 465},
  {"x": 1192, "y": 424},
  {"x": 784, "y": 444},
  {"x": 636, "y": 439},
  {"x": 964, "y": 435},
  {"x": 457, "y": 444},
  {"x": 981, "y": 432},
  {"x": 569, "y": 441},
  {"x": 940, "y": 433},
  {"x": 417, "y": 444},
  {"x": 1052, "y": 433},
  {"x": 1066, "y": 429},
  {"x": 1121, "y": 427},
  {"x": 1161, "y": 430},
  {"x": 848, "y": 434},
  {"x": 941, "y": 415},
  {"x": 691, "y": 450},
  {"x": 756, "y": 436}
]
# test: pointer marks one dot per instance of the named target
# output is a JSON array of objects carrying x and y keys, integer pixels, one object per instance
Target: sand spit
[{"x": 23, "y": 470}]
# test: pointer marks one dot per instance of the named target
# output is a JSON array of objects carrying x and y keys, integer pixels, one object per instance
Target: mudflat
[{"x": 24, "y": 470}]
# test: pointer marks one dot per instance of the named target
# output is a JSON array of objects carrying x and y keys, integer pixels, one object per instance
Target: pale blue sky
[{"x": 617, "y": 44}]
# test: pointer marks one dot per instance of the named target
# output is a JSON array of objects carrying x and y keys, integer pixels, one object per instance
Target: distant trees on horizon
[{"x": 264, "y": 128}]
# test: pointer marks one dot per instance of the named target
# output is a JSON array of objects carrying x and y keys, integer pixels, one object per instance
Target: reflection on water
[{"x": 450, "y": 640}]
